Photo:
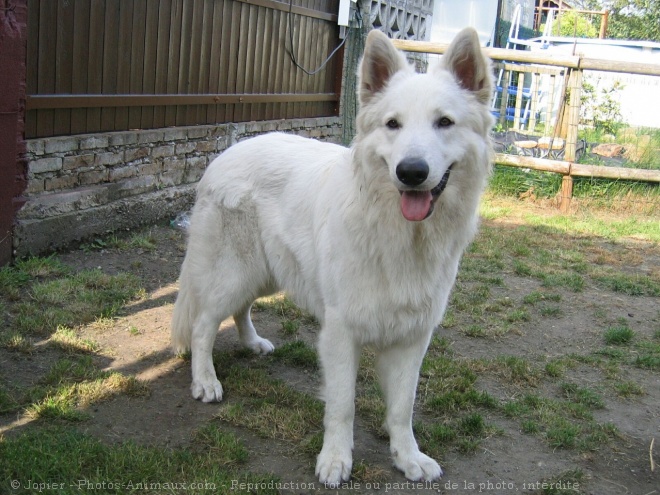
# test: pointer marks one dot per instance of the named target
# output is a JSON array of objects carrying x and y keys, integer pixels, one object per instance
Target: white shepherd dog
[{"x": 368, "y": 239}]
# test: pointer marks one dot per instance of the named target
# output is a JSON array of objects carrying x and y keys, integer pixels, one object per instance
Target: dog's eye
[
  {"x": 393, "y": 124},
  {"x": 444, "y": 122}
]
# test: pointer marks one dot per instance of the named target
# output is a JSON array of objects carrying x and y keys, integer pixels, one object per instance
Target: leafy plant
[{"x": 600, "y": 106}]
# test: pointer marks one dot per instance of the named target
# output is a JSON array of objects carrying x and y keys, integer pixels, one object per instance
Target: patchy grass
[
  {"x": 46, "y": 302},
  {"x": 67, "y": 340},
  {"x": 59, "y": 454},
  {"x": 297, "y": 353},
  {"x": 525, "y": 276},
  {"x": 619, "y": 335},
  {"x": 72, "y": 385},
  {"x": 71, "y": 300},
  {"x": 269, "y": 407}
]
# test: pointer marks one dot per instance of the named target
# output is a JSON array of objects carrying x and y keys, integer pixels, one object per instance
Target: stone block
[
  {"x": 174, "y": 134},
  {"x": 36, "y": 236},
  {"x": 185, "y": 148},
  {"x": 122, "y": 138},
  {"x": 53, "y": 204},
  {"x": 95, "y": 141},
  {"x": 133, "y": 186},
  {"x": 58, "y": 183},
  {"x": 173, "y": 163},
  {"x": 60, "y": 145},
  {"x": 35, "y": 186},
  {"x": 198, "y": 162},
  {"x": 109, "y": 158},
  {"x": 35, "y": 146},
  {"x": 43, "y": 165},
  {"x": 205, "y": 146},
  {"x": 192, "y": 175},
  {"x": 132, "y": 154},
  {"x": 269, "y": 126},
  {"x": 171, "y": 178},
  {"x": 162, "y": 151},
  {"x": 218, "y": 131},
  {"x": 284, "y": 125},
  {"x": 222, "y": 144},
  {"x": 150, "y": 137},
  {"x": 311, "y": 123},
  {"x": 197, "y": 132},
  {"x": 78, "y": 161},
  {"x": 93, "y": 177},
  {"x": 121, "y": 173},
  {"x": 149, "y": 168}
]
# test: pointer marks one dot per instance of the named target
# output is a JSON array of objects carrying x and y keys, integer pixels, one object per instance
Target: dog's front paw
[
  {"x": 418, "y": 467},
  {"x": 209, "y": 391},
  {"x": 333, "y": 468},
  {"x": 260, "y": 346}
]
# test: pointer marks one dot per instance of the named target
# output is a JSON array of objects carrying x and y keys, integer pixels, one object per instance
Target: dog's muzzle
[{"x": 418, "y": 205}]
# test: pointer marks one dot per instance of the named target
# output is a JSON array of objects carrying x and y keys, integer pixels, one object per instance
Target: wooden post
[
  {"x": 505, "y": 96},
  {"x": 531, "y": 123},
  {"x": 520, "y": 88},
  {"x": 603, "y": 24},
  {"x": 551, "y": 105},
  {"x": 575, "y": 84},
  {"x": 566, "y": 193}
]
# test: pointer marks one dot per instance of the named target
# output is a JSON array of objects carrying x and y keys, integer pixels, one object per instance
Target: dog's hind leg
[
  {"x": 248, "y": 335},
  {"x": 205, "y": 383},
  {"x": 398, "y": 369}
]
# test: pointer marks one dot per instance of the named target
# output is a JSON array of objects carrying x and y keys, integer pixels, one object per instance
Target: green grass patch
[
  {"x": 269, "y": 407},
  {"x": 283, "y": 306},
  {"x": 297, "y": 354},
  {"x": 67, "y": 340},
  {"x": 630, "y": 284},
  {"x": 72, "y": 385},
  {"x": 629, "y": 389},
  {"x": 64, "y": 455},
  {"x": 564, "y": 423},
  {"x": 580, "y": 395},
  {"x": 556, "y": 368},
  {"x": 512, "y": 370},
  {"x": 57, "y": 298},
  {"x": 567, "y": 483},
  {"x": 619, "y": 335},
  {"x": 226, "y": 449}
]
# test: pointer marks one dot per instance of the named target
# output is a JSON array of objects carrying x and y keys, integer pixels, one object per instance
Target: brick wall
[{"x": 86, "y": 185}]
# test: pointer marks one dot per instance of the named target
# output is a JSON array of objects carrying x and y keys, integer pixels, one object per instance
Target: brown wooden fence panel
[{"x": 194, "y": 61}]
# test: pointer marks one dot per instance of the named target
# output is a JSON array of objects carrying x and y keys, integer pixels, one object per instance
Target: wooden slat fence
[{"x": 106, "y": 65}]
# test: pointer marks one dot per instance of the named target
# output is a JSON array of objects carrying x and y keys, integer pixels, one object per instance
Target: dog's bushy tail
[{"x": 183, "y": 317}]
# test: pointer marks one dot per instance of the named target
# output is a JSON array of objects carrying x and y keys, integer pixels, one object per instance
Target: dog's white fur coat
[{"x": 325, "y": 224}]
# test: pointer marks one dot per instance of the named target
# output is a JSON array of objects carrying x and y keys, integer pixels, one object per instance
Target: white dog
[{"x": 368, "y": 239}]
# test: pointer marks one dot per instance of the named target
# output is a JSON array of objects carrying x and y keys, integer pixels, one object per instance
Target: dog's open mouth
[{"x": 418, "y": 205}]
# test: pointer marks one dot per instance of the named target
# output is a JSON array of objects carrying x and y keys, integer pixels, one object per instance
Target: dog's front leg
[
  {"x": 339, "y": 360},
  {"x": 398, "y": 369}
]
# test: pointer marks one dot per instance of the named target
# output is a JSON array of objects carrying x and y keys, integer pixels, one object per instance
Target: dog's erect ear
[
  {"x": 465, "y": 60},
  {"x": 379, "y": 63}
]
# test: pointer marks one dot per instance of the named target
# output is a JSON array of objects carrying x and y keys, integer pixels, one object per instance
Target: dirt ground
[{"x": 138, "y": 343}]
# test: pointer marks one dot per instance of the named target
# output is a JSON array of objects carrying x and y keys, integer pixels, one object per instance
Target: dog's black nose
[{"x": 412, "y": 171}]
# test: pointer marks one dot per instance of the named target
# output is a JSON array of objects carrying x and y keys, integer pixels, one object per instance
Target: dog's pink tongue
[{"x": 415, "y": 205}]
